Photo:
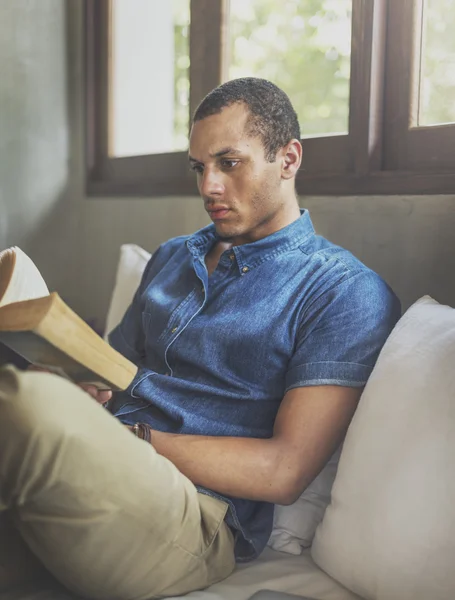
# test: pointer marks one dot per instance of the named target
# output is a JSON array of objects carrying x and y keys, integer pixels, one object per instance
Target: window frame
[
  {"x": 380, "y": 154},
  {"x": 410, "y": 146}
]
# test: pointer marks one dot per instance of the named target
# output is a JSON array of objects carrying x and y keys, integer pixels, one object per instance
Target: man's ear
[{"x": 291, "y": 159}]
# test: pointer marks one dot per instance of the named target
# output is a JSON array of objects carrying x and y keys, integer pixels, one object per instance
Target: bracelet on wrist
[{"x": 143, "y": 432}]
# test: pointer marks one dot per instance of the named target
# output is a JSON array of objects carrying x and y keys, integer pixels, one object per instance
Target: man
[{"x": 254, "y": 339}]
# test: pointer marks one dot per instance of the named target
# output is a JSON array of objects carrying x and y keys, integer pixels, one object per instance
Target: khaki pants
[{"x": 107, "y": 516}]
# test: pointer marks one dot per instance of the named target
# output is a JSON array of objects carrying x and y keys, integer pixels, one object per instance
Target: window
[
  {"x": 373, "y": 83},
  {"x": 268, "y": 38},
  {"x": 149, "y": 96},
  {"x": 420, "y": 99}
]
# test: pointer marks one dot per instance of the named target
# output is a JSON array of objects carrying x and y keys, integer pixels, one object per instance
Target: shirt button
[
  {"x": 174, "y": 329},
  {"x": 232, "y": 256},
  {"x": 245, "y": 270}
]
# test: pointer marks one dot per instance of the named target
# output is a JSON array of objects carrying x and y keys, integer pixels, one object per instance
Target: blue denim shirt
[{"x": 217, "y": 354}]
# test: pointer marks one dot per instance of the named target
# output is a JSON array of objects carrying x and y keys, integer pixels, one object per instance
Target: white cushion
[
  {"x": 274, "y": 571},
  {"x": 389, "y": 533},
  {"x": 294, "y": 526},
  {"x": 132, "y": 262}
]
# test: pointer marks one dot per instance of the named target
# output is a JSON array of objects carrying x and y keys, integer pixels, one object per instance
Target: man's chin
[{"x": 225, "y": 233}]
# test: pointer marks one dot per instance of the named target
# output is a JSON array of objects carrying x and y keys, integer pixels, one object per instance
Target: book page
[{"x": 20, "y": 279}]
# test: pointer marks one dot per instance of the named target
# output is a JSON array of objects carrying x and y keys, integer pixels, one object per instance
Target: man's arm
[{"x": 309, "y": 426}]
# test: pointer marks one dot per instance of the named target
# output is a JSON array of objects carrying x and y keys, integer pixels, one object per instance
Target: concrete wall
[
  {"x": 74, "y": 240},
  {"x": 34, "y": 126}
]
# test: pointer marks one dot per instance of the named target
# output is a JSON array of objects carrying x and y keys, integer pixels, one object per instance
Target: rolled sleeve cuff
[{"x": 328, "y": 373}]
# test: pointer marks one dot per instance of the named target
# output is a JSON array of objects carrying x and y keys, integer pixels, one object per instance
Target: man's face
[{"x": 240, "y": 188}]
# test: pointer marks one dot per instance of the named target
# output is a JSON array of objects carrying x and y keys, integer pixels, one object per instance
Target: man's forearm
[
  {"x": 240, "y": 467},
  {"x": 310, "y": 425}
]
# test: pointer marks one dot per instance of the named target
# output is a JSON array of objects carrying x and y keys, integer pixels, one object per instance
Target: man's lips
[{"x": 217, "y": 212}]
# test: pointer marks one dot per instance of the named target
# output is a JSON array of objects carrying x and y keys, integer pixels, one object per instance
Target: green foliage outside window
[
  {"x": 181, "y": 13},
  {"x": 303, "y": 46},
  {"x": 437, "y": 91}
]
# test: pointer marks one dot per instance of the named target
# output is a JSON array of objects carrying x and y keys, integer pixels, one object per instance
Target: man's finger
[
  {"x": 90, "y": 389},
  {"x": 104, "y": 396},
  {"x": 38, "y": 369},
  {"x": 101, "y": 396}
]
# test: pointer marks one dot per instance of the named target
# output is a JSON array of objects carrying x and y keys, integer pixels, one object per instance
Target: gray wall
[
  {"x": 74, "y": 240},
  {"x": 34, "y": 127}
]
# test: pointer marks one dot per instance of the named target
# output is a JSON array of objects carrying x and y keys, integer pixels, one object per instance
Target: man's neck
[{"x": 213, "y": 256}]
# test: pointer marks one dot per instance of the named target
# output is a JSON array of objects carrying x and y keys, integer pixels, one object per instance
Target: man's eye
[
  {"x": 197, "y": 169},
  {"x": 228, "y": 163}
]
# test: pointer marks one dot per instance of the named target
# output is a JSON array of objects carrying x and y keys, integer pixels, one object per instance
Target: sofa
[{"x": 378, "y": 523}]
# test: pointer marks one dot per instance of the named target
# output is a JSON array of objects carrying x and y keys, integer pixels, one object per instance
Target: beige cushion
[
  {"x": 389, "y": 533},
  {"x": 132, "y": 262}
]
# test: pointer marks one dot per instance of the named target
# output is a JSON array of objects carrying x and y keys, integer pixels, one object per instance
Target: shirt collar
[{"x": 251, "y": 255}]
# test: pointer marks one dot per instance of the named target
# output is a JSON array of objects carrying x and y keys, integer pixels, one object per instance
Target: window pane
[
  {"x": 149, "y": 78},
  {"x": 437, "y": 82},
  {"x": 304, "y": 47}
]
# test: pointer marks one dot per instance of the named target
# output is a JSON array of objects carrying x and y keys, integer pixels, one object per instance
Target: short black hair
[{"x": 272, "y": 116}]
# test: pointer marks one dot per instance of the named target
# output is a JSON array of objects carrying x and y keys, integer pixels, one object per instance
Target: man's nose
[{"x": 211, "y": 183}]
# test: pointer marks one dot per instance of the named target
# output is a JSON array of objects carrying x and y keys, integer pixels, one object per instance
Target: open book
[{"x": 43, "y": 329}]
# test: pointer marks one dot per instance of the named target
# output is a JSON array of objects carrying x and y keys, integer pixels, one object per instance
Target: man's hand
[{"x": 101, "y": 396}]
